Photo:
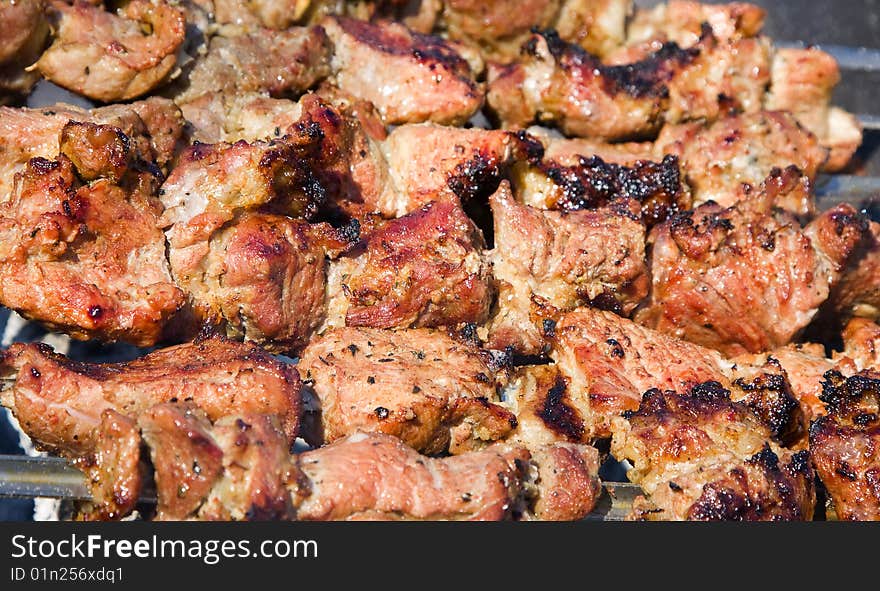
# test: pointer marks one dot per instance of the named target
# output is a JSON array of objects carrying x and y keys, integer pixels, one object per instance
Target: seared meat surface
[
  {"x": 717, "y": 158},
  {"x": 112, "y": 57},
  {"x": 560, "y": 83},
  {"x": 59, "y": 401},
  {"x": 375, "y": 476},
  {"x": 549, "y": 262},
  {"x": 431, "y": 391},
  {"x": 425, "y": 269},
  {"x": 802, "y": 81},
  {"x": 845, "y": 445},
  {"x": 700, "y": 456},
  {"x": 858, "y": 291},
  {"x": 410, "y": 77},
  {"x": 88, "y": 259},
  {"x": 747, "y": 278},
  {"x": 428, "y": 162},
  {"x": 499, "y": 27},
  {"x": 588, "y": 182},
  {"x": 113, "y": 470},
  {"x": 186, "y": 461},
  {"x": 154, "y": 128}
]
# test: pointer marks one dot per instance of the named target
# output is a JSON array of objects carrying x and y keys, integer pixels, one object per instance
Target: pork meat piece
[
  {"x": 428, "y": 162},
  {"x": 559, "y": 83},
  {"x": 113, "y": 469},
  {"x": 88, "y": 259},
  {"x": 589, "y": 182},
  {"x": 23, "y": 33},
  {"x": 411, "y": 78},
  {"x": 802, "y": 82},
  {"x": 277, "y": 63},
  {"x": 858, "y": 292},
  {"x": 372, "y": 476},
  {"x": 845, "y": 445},
  {"x": 154, "y": 128},
  {"x": 425, "y": 269},
  {"x": 717, "y": 158},
  {"x": 187, "y": 462},
  {"x": 746, "y": 278},
  {"x": 113, "y": 57},
  {"x": 59, "y": 402},
  {"x": 608, "y": 362},
  {"x": 699, "y": 456},
  {"x": 549, "y": 262},
  {"x": 682, "y": 21},
  {"x": 432, "y": 391}
]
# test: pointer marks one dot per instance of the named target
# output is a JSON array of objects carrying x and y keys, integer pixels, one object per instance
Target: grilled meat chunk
[
  {"x": 154, "y": 128},
  {"x": 425, "y": 269},
  {"x": 560, "y": 83},
  {"x": 608, "y": 362},
  {"x": 845, "y": 445},
  {"x": 430, "y": 161},
  {"x": 59, "y": 401},
  {"x": 700, "y": 456},
  {"x": 23, "y": 32},
  {"x": 499, "y": 27},
  {"x": 88, "y": 260},
  {"x": 261, "y": 278},
  {"x": 858, "y": 292},
  {"x": 582, "y": 182},
  {"x": 861, "y": 340},
  {"x": 545, "y": 412},
  {"x": 374, "y": 476},
  {"x": 113, "y": 469},
  {"x": 274, "y": 14},
  {"x": 433, "y": 392},
  {"x": 411, "y": 78},
  {"x": 548, "y": 262},
  {"x": 802, "y": 82},
  {"x": 278, "y": 63},
  {"x": 567, "y": 482},
  {"x": 110, "y": 57},
  {"x": 186, "y": 460},
  {"x": 719, "y": 279},
  {"x": 256, "y": 468},
  {"x": 717, "y": 158},
  {"x": 682, "y": 21}
]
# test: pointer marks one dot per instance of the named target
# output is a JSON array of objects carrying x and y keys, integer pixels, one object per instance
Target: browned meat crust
[
  {"x": 110, "y": 57},
  {"x": 858, "y": 292},
  {"x": 113, "y": 470},
  {"x": 425, "y": 269},
  {"x": 374, "y": 476},
  {"x": 411, "y": 78},
  {"x": 700, "y": 456},
  {"x": 433, "y": 392},
  {"x": 720, "y": 157},
  {"x": 548, "y": 262},
  {"x": 746, "y": 278},
  {"x": 186, "y": 461},
  {"x": 428, "y": 162},
  {"x": 845, "y": 445},
  {"x": 608, "y": 362},
  {"x": 59, "y": 401},
  {"x": 589, "y": 182},
  {"x": 88, "y": 259},
  {"x": 558, "y": 82},
  {"x": 154, "y": 128}
]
